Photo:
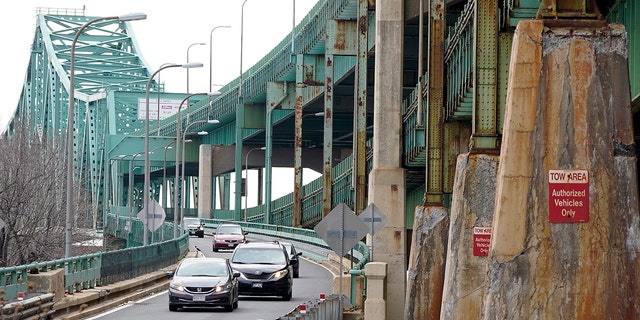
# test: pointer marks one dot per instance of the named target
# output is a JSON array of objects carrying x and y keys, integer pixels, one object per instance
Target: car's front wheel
[{"x": 287, "y": 296}]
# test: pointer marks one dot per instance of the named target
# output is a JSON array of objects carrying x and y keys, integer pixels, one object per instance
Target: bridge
[{"x": 382, "y": 103}]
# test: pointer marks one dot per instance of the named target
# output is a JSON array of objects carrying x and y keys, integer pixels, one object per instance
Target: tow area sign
[{"x": 568, "y": 196}]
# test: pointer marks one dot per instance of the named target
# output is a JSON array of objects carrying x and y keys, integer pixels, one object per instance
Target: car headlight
[
  {"x": 177, "y": 287},
  {"x": 280, "y": 274},
  {"x": 223, "y": 287},
  {"x": 201, "y": 228}
]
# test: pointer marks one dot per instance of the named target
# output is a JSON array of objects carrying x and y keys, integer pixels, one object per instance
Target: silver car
[
  {"x": 195, "y": 227},
  {"x": 203, "y": 282}
]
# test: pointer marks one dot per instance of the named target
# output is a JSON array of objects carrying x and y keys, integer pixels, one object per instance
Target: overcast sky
[{"x": 164, "y": 37}]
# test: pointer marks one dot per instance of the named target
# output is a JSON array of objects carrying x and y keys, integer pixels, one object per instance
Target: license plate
[
  {"x": 257, "y": 285},
  {"x": 229, "y": 244},
  {"x": 198, "y": 297}
]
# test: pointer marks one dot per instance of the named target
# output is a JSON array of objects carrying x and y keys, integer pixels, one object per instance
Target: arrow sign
[
  {"x": 154, "y": 217},
  {"x": 341, "y": 229}
]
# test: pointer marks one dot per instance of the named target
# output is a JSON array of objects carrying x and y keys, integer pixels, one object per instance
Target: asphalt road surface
[{"x": 314, "y": 280}]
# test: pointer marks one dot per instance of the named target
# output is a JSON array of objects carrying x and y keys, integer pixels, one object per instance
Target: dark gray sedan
[{"x": 203, "y": 282}]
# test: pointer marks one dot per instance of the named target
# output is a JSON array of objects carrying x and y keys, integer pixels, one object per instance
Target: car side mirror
[
  {"x": 245, "y": 232},
  {"x": 236, "y": 274},
  {"x": 169, "y": 274}
]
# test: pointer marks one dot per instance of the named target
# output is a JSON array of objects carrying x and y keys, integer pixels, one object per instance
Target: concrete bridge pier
[
  {"x": 387, "y": 177},
  {"x": 469, "y": 236},
  {"x": 565, "y": 241},
  {"x": 425, "y": 275}
]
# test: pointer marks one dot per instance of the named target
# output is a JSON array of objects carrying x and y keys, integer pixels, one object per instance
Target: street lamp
[
  {"x": 147, "y": 160},
  {"x": 189, "y": 48},
  {"x": 178, "y": 132},
  {"x": 239, "y": 124},
  {"x": 184, "y": 137},
  {"x": 69, "y": 215},
  {"x": 246, "y": 180},
  {"x": 211, "y": 55}
]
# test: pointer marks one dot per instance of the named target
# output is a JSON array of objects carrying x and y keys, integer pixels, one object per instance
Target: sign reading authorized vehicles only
[{"x": 568, "y": 196}]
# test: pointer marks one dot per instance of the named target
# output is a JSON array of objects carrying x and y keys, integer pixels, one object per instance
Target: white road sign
[{"x": 154, "y": 216}]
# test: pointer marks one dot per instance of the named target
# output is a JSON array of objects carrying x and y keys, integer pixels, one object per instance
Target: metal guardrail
[
  {"x": 320, "y": 309},
  {"x": 98, "y": 269},
  {"x": 40, "y": 307}
]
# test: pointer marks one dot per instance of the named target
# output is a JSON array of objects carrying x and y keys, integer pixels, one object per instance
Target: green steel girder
[{"x": 485, "y": 133}]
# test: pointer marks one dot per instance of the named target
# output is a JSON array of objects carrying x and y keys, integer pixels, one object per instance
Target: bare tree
[{"x": 32, "y": 198}]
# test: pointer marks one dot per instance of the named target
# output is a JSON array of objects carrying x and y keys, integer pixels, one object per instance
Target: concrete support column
[
  {"x": 205, "y": 181},
  {"x": 474, "y": 193},
  {"x": 375, "y": 304},
  {"x": 568, "y": 109},
  {"x": 426, "y": 263},
  {"x": 387, "y": 178}
]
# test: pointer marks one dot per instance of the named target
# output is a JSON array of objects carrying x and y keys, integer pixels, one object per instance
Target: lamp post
[
  {"x": 147, "y": 160},
  {"x": 239, "y": 125},
  {"x": 188, "y": 49},
  {"x": 184, "y": 137},
  {"x": 211, "y": 55},
  {"x": 246, "y": 180},
  {"x": 177, "y": 175},
  {"x": 69, "y": 215}
]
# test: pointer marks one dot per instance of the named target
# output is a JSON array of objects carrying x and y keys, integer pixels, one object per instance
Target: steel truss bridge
[{"x": 309, "y": 102}]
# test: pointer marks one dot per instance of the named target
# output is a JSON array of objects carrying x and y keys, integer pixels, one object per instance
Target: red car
[{"x": 228, "y": 236}]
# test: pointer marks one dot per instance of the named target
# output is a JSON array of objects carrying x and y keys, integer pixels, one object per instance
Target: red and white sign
[
  {"x": 568, "y": 196},
  {"x": 481, "y": 241}
]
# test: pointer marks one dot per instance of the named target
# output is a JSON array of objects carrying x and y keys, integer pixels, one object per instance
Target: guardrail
[
  {"x": 88, "y": 271},
  {"x": 320, "y": 309},
  {"x": 40, "y": 307}
]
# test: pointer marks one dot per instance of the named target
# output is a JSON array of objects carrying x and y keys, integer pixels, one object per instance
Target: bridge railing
[
  {"x": 459, "y": 62},
  {"x": 98, "y": 269}
]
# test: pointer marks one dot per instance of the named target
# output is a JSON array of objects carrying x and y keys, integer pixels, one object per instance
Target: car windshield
[
  {"x": 191, "y": 221},
  {"x": 202, "y": 269},
  {"x": 258, "y": 256},
  {"x": 229, "y": 230}
]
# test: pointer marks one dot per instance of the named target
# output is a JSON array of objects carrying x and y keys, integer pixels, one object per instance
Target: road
[{"x": 314, "y": 279}]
